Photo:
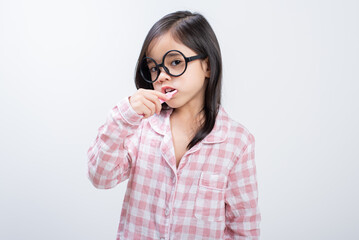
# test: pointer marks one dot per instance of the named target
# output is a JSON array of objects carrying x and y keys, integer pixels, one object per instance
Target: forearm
[{"x": 110, "y": 155}]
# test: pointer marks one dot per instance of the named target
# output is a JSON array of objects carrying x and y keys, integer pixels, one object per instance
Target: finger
[
  {"x": 161, "y": 95},
  {"x": 154, "y": 99},
  {"x": 149, "y": 105},
  {"x": 158, "y": 106},
  {"x": 155, "y": 94},
  {"x": 146, "y": 112}
]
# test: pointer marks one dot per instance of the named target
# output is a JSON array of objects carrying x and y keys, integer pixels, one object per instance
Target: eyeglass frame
[{"x": 187, "y": 60}]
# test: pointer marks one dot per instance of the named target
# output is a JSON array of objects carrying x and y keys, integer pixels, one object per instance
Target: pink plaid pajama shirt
[{"x": 211, "y": 195}]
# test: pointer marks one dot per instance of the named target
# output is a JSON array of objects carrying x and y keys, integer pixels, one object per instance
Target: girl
[{"x": 190, "y": 167}]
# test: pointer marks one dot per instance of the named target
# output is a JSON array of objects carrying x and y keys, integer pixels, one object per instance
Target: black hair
[{"x": 194, "y": 31}]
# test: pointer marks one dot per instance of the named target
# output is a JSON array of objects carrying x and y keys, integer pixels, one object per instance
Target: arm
[
  {"x": 115, "y": 147},
  {"x": 242, "y": 212}
]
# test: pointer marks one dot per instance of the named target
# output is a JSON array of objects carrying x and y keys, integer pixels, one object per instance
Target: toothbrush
[{"x": 169, "y": 94}]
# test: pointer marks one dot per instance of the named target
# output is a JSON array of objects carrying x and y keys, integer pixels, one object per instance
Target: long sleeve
[
  {"x": 115, "y": 147},
  {"x": 242, "y": 211}
]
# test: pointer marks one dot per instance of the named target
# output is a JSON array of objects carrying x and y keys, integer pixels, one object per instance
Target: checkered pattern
[{"x": 211, "y": 195}]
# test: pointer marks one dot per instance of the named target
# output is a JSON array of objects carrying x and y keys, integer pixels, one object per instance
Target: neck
[{"x": 188, "y": 115}]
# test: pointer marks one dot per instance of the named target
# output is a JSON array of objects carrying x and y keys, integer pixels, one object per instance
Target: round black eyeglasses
[{"x": 173, "y": 62}]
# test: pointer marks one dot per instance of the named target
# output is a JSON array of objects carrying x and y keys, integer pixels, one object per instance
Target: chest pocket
[{"x": 209, "y": 204}]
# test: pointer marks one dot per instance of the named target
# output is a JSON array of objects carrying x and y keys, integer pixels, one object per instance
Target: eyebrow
[
  {"x": 169, "y": 54},
  {"x": 148, "y": 61},
  {"x": 173, "y": 54}
]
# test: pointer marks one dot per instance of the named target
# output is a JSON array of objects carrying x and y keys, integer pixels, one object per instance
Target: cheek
[
  {"x": 196, "y": 73},
  {"x": 195, "y": 79}
]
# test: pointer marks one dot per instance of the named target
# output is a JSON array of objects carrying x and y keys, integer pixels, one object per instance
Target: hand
[{"x": 146, "y": 102}]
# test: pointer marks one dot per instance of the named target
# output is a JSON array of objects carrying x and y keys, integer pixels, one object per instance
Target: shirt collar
[{"x": 161, "y": 124}]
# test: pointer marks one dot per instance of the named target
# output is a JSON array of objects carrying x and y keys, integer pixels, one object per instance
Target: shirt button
[
  {"x": 174, "y": 180},
  {"x": 167, "y": 212}
]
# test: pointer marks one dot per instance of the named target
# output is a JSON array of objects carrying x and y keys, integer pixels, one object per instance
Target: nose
[{"x": 164, "y": 76}]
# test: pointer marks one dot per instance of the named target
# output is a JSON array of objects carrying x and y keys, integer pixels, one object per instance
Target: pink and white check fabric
[{"x": 211, "y": 195}]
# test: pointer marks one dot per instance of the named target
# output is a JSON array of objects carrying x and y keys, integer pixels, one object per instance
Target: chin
[{"x": 172, "y": 105}]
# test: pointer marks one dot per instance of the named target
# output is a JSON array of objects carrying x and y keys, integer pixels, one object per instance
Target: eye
[
  {"x": 153, "y": 69},
  {"x": 175, "y": 62}
]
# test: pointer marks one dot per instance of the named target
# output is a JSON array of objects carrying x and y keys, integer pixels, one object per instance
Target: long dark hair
[{"x": 194, "y": 31}]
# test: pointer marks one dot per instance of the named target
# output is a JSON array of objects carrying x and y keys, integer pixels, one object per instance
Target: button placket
[{"x": 167, "y": 212}]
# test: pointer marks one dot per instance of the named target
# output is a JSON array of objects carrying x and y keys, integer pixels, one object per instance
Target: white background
[{"x": 290, "y": 76}]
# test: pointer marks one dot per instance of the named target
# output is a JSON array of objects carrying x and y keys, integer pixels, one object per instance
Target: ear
[{"x": 206, "y": 67}]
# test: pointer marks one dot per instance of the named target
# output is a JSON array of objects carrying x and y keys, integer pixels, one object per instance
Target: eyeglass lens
[{"x": 174, "y": 64}]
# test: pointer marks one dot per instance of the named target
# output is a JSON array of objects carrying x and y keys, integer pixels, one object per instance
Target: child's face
[{"x": 191, "y": 84}]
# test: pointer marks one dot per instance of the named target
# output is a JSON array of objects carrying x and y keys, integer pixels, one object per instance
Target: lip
[{"x": 163, "y": 89}]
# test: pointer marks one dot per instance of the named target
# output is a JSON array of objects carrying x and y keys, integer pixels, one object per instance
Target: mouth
[
  {"x": 170, "y": 95},
  {"x": 167, "y": 90}
]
